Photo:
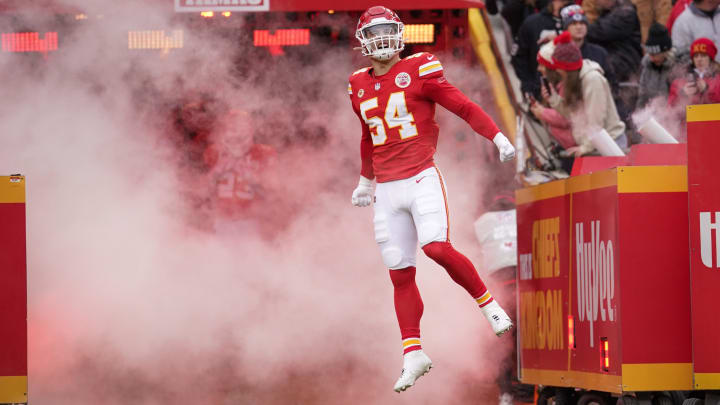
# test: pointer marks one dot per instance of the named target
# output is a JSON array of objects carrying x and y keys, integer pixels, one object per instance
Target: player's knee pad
[
  {"x": 432, "y": 224},
  {"x": 382, "y": 230},
  {"x": 392, "y": 256}
]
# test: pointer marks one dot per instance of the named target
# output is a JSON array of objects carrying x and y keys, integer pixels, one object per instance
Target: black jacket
[
  {"x": 524, "y": 58},
  {"x": 515, "y": 12},
  {"x": 618, "y": 31},
  {"x": 597, "y": 53}
]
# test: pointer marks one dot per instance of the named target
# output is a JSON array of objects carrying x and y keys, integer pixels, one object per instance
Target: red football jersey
[{"x": 397, "y": 112}]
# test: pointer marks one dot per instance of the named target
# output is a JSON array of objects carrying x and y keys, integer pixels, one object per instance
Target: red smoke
[{"x": 140, "y": 291}]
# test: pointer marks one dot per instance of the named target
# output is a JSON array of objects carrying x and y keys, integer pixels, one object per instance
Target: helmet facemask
[{"x": 381, "y": 40}]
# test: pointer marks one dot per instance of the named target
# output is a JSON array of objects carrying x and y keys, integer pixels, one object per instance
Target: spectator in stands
[
  {"x": 533, "y": 32},
  {"x": 702, "y": 84},
  {"x": 557, "y": 125},
  {"x": 515, "y": 12},
  {"x": 678, "y": 8},
  {"x": 618, "y": 31},
  {"x": 586, "y": 99},
  {"x": 575, "y": 22},
  {"x": 701, "y": 19},
  {"x": 657, "y": 66},
  {"x": 648, "y": 11}
]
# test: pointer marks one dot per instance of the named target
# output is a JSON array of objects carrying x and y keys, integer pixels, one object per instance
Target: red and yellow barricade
[{"x": 13, "y": 291}]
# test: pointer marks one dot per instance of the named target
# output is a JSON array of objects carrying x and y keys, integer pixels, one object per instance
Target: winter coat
[
  {"x": 678, "y": 8},
  {"x": 598, "y": 109},
  {"x": 598, "y": 54},
  {"x": 524, "y": 58},
  {"x": 655, "y": 80},
  {"x": 677, "y": 96},
  {"x": 691, "y": 25},
  {"x": 559, "y": 127},
  {"x": 515, "y": 12},
  {"x": 618, "y": 31}
]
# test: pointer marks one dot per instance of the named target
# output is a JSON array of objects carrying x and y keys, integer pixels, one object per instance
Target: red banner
[
  {"x": 704, "y": 205},
  {"x": 543, "y": 283},
  {"x": 595, "y": 284}
]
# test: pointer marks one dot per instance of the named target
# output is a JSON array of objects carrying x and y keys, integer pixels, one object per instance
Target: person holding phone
[
  {"x": 585, "y": 100},
  {"x": 557, "y": 125},
  {"x": 702, "y": 83}
]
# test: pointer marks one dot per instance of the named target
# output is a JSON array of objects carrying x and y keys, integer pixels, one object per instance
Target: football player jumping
[{"x": 395, "y": 101}]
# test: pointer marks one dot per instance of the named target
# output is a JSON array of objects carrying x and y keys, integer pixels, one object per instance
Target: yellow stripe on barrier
[
  {"x": 592, "y": 181},
  {"x": 652, "y": 179},
  {"x": 540, "y": 192},
  {"x": 657, "y": 376},
  {"x": 12, "y": 189},
  {"x": 629, "y": 179},
  {"x": 707, "y": 381},
  {"x": 703, "y": 112},
  {"x": 565, "y": 378},
  {"x": 13, "y": 390}
]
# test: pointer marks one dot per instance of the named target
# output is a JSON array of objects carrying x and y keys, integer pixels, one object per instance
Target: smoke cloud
[{"x": 142, "y": 289}]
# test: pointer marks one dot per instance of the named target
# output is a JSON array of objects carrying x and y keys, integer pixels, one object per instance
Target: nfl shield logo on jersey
[
  {"x": 402, "y": 80},
  {"x": 361, "y": 92},
  {"x": 377, "y": 86}
]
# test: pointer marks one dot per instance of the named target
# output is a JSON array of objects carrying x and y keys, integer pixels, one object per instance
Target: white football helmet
[{"x": 380, "y": 33}]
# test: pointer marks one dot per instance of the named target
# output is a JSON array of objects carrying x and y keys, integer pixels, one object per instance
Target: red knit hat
[
  {"x": 544, "y": 55},
  {"x": 703, "y": 45},
  {"x": 566, "y": 55}
]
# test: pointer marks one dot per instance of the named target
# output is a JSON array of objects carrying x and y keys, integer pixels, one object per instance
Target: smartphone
[
  {"x": 545, "y": 83},
  {"x": 691, "y": 77}
]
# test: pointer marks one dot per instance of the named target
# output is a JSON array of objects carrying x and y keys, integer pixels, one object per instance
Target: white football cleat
[
  {"x": 415, "y": 365},
  {"x": 497, "y": 317}
]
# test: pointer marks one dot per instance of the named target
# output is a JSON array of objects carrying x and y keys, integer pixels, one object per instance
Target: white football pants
[{"x": 408, "y": 211}]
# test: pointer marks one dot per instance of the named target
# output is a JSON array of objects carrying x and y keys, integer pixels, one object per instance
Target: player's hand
[
  {"x": 506, "y": 149},
  {"x": 363, "y": 193}
]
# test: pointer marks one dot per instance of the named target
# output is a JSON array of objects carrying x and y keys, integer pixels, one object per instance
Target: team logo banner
[{"x": 190, "y": 6}]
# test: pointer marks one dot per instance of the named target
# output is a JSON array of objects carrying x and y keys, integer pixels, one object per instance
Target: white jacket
[
  {"x": 693, "y": 24},
  {"x": 598, "y": 110}
]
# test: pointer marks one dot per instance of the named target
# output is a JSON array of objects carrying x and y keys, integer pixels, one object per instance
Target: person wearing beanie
[
  {"x": 658, "y": 67},
  {"x": 658, "y": 40},
  {"x": 576, "y": 23},
  {"x": 573, "y": 13},
  {"x": 586, "y": 100},
  {"x": 556, "y": 124},
  {"x": 702, "y": 83}
]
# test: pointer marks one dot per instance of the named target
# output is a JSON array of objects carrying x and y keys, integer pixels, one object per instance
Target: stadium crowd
[{"x": 586, "y": 66}]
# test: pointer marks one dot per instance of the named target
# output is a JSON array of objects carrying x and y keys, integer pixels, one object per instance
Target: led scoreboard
[{"x": 245, "y": 22}]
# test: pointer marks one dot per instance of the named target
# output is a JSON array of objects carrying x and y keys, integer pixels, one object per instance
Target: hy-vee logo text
[{"x": 595, "y": 277}]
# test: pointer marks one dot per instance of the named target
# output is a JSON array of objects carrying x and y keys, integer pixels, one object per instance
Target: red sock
[
  {"x": 408, "y": 307},
  {"x": 459, "y": 267}
]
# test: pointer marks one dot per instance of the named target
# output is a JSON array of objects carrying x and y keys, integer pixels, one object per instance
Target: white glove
[
  {"x": 506, "y": 149},
  {"x": 363, "y": 194}
]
